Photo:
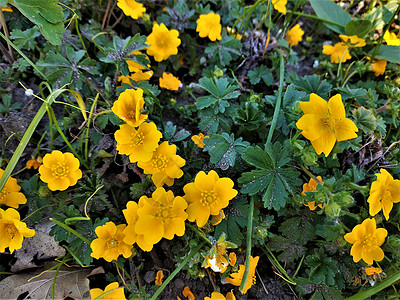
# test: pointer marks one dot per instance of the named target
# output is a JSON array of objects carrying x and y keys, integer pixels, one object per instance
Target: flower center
[
  {"x": 385, "y": 194},
  {"x": 368, "y": 243},
  {"x": 162, "y": 41},
  {"x": 208, "y": 198},
  {"x": 160, "y": 162},
  {"x": 327, "y": 123},
  {"x": 10, "y": 230},
  {"x": 59, "y": 170},
  {"x": 163, "y": 213},
  {"x": 111, "y": 243},
  {"x": 131, "y": 115},
  {"x": 138, "y": 139}
]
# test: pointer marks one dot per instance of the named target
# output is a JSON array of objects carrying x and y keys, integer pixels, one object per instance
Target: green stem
[
  {"x": 43, "y": 207},
  {"x": 199, "y": 233},
  {"x": 313, "y": 17},
  {"x": 173, "y": 274},
  {"x": 278, "y": 98},
  {"x": 74, "y": 232},
  {"x": 376, "y": 288},
  {"x": 275, "y": 262},
  {"x": 248, "y": 250},
  {"x": 51, "y": 113}
]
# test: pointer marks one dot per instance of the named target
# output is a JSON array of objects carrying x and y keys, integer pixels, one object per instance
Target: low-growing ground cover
[{"x": 199, "y": 149}]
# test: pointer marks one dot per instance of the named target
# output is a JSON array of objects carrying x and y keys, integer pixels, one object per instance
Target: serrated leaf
[
  {"x": 46, "y": 14},
  {"x": 328, "y": 10},
  {"x": 322, "y": 267},
  {"x": 211, "y": 123},
  {"x": 261, "y": 72},
  {"x": 299, "y": 229},
  {"x": 258, "y": 158},
  {"x": 226, "y": 50},
  {"x": 291, "y": 251},
  {"x": 25, "y": 39},
  {"x": 364, "y": 119}
]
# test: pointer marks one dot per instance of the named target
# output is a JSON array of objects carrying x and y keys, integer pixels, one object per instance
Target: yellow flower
[
  {"x": 131, "y": 8},
  {"x": 384, "y": 192},
  {"x": 217, "y": 258},
  {"x": 232, "y": 259},
  {"x": 10, "y": 194},
  {"x": 12, "y": 230},
  {"x": 129, "y": 107},
  {"x": 236, "y": 278},
  {"x": 208, "y": 194},
  {"x": 391, "y": 38},
  {"x": 110, "y": 242},
  {"x": 163, "y": 215},
  {"x": 131, "y": 217},
  {"x": 136, "y": 70},
  {"x": 34, "y": 162},
  {"x": 366, "y": 240},
  {"x": 159, "y": 277},
  {"x": 216, "y": 219},
  {"x": 169, "y": 82},
  {"x": 352, "y": 41},
  {"x": 280, "y": 5},
  {"x": 372, "y": 271},
  {"x": 294, "y": 35},
  {"x": 379, "y": 66},
  {"x": 188, "y": 293},
  {"x": 324, "y": 123},
  {"x": 209, "y": 25},
  {"x": 117, "y": 294},
  {"x": 7, "y": 8},
  {"x": 139, "y": 143},
  {"x": 60, "y": 170},
  {"x": 338, "y": 52},
  {"x": 198, "y": 139},
  {"x": 164, "y": 165},
  {"x": 219, "y": 296},
  {"x": 311, "y": 186},
  {"x": 232, "y": 32},
  {"x": 164, "y": 42}
]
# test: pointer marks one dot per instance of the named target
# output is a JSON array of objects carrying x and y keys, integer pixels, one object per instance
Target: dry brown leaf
[{"x": 72, "y": 283}]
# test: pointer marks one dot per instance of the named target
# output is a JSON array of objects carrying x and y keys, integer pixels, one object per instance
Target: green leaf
[
  {"x": 3, "y": 3},
  {"x": 322, "y": 268},
  {"x": 364, "y": 119},
  {"x": 381, "y": 15},
  {"x": 359, "y": 28},
  {"x": 313, "y": 84},
  {"x": 291, "y": 251},
  {"x": 46, "y": 14},
  {"x": 328, "y": 10},
  {"x": 226, "y": 50},
  {"x": 389, "y": 53},
  {"x": 271, "y": 177},
  {"x": 224, "y": 149},
  {"x": 299, "y": 229},
  {"x": 261, "y": 72},
  {"x": 25, "y": 39},
  {"x": 250, "y": 117},
  {"x": 211, "y": 123}
]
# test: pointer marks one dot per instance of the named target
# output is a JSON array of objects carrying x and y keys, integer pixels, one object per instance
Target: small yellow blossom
[
  {"x": 159, "y": 277},
  {"x": 232, "y": 259},
  {"x": 366, "y": 240},
  {"x": 236, "y": 278},
  {"x": 294, "y": 35},
  {"x": 384, "y": 192},
  {"x": 117, "y": 294},
  {"x": 34, "y": 162},
  {"x": 217, "y": 258},
  {"x": 7, "y": 8},
  {"x": 219, "y": 296},
  {"x": 164, "y": 166},
  {"x": 110, "y": 242},
  {"x": 391, "y": 38},
  {"x": 131, "y": 8},
  {"x": 138, "y": 72},
  {"x": 188, "y": 293},
  {"x": 163, "y": 215},
  {"x": 233, "y": 33},
  {"x": 60, "y": 170},
  {"x": 338, "y": 52},
  {"x": 131, "y": 217},
  {"x": 169, "y": 82},
  {"x": 373, "y": 271},
  {"x": 207, "y": 195},
  {"x": 209, "y": 25},
  {"x": 12, "y": 230},
  {"x": 280, "y": 5},
  {"x": 352, "y": 41},
  {"x": 324, "y": 123},
  {"x": 138, "y": 143},
  {"x": 10, "y": 195},
  {"x": 129, "y": 107},
  {"x": 164, "y": 42},
  {"x": 198, "y": 139},
  {"x": 379, "y": 66},
  {"x": 311, "y": 186}
]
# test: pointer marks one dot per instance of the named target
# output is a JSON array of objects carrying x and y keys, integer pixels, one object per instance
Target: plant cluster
[{"x": 229, "y": 138}]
